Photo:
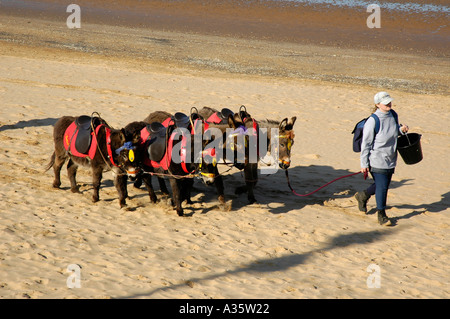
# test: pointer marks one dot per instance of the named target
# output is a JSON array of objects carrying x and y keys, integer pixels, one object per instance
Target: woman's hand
[
  {"x": 404, "y": 128},
  {"x": 365, "y": 172}
]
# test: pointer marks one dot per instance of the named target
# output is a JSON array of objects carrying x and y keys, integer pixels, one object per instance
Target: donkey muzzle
[{"x": 284, "y": 164}]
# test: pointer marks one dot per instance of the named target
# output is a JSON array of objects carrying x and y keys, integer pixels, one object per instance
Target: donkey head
[
  {"x": 125, "y": 146},
  {"x": 286, "y": 140},
  {"x": 243, "y": 139},
  {"x": 205, "y": 160}
]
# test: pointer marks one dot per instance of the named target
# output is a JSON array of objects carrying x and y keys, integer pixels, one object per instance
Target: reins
[
  {"x": 107, "y": 126},
  {"x": 304, "y": 195}
]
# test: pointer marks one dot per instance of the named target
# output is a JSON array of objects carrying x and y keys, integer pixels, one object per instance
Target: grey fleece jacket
[{"x": 380, "y": 152}]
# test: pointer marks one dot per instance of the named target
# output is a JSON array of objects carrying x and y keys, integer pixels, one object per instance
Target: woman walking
[{"x": 379, "y": 153}]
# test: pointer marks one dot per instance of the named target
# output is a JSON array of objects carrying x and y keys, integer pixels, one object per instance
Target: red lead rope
[{"x": 334, "y": 180}]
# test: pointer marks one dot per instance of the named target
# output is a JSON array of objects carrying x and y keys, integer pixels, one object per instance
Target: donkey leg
[
  {"x": 72, "y": 173},
  {"x": 251, "y": 177},
  {"x": 147, "y": 178},
  {"x": 57, "y": 165},
  {"x": 97, "y": 173},
  {"x": 186, "y": 189},
  {"x": 219, "y": 187},
  {"x": 176, "y": 187},
  {"x": 120, "y": 181},
  {"x": 162, "y": 186}
]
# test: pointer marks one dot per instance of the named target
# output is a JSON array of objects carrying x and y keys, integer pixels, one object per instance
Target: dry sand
[{"x": 282, "y": 247}]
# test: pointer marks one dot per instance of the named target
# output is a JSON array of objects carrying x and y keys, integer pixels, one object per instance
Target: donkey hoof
[
  {"x": 56, "y": 184},
  {"x": 180, "y": 213},
  {"x": 95, "y": 199},
  {"x": 153, "y": 199},
  {"x": 123, "y": 205},
  {"x": 75, "y": 190}
]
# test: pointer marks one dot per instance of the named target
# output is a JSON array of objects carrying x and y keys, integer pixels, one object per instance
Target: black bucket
[{"x": 409, "y": 148}]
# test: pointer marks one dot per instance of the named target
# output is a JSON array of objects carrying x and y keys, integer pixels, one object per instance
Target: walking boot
[
  {"x": 362, "y": 198},
  {"x": 383, "y": 219}
]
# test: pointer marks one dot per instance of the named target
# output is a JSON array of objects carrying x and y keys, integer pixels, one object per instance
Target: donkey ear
[
  {"x": 122, "y": 135},
  {"x": 291, "y": 122},
  {"x": 231, "y": 122},
  {"x": 283, "y": 124},
  {"x": 136, "y": 137}
]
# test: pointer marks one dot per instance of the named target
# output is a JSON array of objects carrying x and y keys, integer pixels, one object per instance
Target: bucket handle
[{"x": 408, "y": 139}]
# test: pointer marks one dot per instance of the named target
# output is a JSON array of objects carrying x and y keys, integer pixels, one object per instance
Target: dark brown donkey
[
  {"x": 285, "y": 139},
  {"x": 160, "y": 141},
  {"x": 89, "y": 141}
]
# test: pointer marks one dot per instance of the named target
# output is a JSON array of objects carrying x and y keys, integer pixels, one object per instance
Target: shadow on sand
[
  {"x": 280, "y": 263},
  {"x": 29, "y": 123},
  {"x": 273, "y": 192}
]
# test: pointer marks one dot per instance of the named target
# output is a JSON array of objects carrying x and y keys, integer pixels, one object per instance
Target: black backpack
[{"x": 358, "y": 130}]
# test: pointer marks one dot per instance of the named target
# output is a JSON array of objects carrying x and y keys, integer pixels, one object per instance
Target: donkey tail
[{"x": 52, "y": 162}]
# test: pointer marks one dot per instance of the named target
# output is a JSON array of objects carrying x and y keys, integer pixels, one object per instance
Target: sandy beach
[{"x": 283, "y": 246}]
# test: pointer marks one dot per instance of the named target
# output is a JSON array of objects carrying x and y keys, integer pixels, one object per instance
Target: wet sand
[
  {"x": 413, "y": 32},
  {"x": 409, "y": 52}
]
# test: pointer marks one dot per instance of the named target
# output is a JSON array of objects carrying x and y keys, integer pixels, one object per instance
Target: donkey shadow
[
  {"x": 272, "y": 191},
  {"x": 273, "y": 194},
  {"x": 29, "y": 123}
]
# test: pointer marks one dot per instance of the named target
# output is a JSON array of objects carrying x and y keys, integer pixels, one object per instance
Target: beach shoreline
[
  {"x": 233, "y": 55},
  {"x": 425, "y": 33}
]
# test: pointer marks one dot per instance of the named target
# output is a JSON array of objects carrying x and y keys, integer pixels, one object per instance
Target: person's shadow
[
  {"x": 435, "y": 207},
  {"x": 282, "y": 263}
]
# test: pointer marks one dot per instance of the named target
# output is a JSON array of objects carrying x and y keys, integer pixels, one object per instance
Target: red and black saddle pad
[
  {"x": 220, "y": 117},
  {"x": 79, "y": 138}
]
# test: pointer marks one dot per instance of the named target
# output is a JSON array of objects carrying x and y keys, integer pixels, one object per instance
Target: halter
[
  {"x": 108, "y": 147},
  {"x": 290, "y": 139},
  {"x": 207, "y": 152}
]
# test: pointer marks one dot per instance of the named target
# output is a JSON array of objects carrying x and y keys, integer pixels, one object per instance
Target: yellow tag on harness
[{"x": 131, "y": 155}]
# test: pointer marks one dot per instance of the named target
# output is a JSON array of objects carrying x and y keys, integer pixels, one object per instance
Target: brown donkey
[
  {"x": 89, "y": 141},
  {"x": 285, "y": 139}
]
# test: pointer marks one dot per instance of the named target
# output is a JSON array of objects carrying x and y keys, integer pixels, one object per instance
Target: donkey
[
  {"x": 243, "y": 119},
  {"x": 227, "y": 121},
  {"x": 285, "y": 138},
  {"x": 158, "y": 140},
  {"x": 91, "y": 142}
]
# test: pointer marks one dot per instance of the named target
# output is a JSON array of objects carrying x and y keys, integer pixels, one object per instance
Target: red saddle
[{"x": 79, "y": 138}]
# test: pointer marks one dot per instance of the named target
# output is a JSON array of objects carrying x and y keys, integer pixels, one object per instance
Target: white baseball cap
[{"x": 382, "y": 97}]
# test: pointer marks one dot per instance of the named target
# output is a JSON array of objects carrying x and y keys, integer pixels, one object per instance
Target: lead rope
[{"x": 304, "y": 195}]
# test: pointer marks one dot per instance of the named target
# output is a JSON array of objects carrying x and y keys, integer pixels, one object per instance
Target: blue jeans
[{"x": 382, "y": 178}]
